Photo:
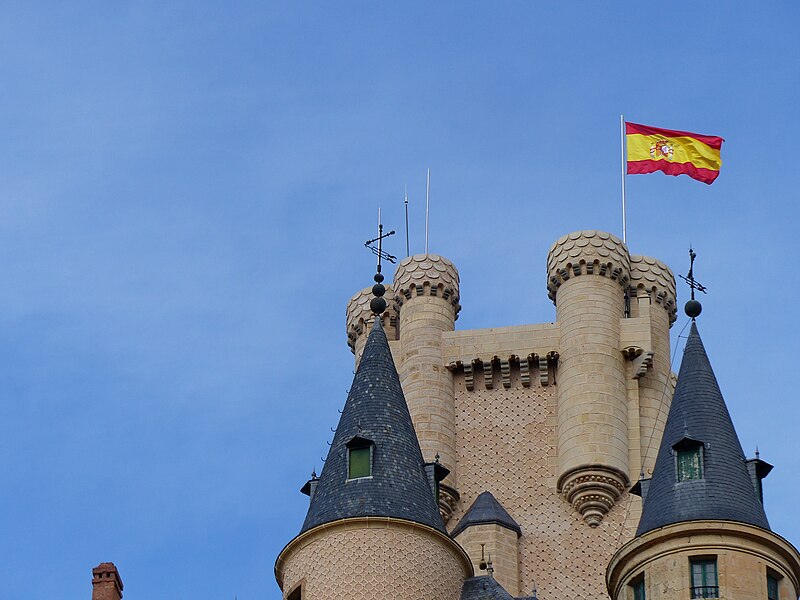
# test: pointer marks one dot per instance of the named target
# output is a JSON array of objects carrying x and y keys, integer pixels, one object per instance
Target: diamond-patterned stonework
[
  {"x": 374, "y": 560},
  {"x": 507, "y": 445}
]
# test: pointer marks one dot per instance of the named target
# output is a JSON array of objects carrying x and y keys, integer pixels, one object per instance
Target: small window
[
  {"x": 359, "y": 457},
  {"x": 704, "y": 578},
  {"x": 297, "y": 593},
  {"x": 637, "y": 587},
  {"x": 773, "y": 592},
  {"x": 689, "y": 464},
  {"x": 359, "y": 462}
]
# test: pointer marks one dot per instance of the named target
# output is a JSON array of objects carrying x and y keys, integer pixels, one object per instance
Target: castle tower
[
  {"x": 652, "y": 302},
  {"x": 488, "y": 532},
  {"x": 427, "y": 294},
  {"x": 373, "y": 530},
  {"x": 106, "y": 582},
  {"x": 703, "y": 532},
  {"x": 588, "y": 273}
]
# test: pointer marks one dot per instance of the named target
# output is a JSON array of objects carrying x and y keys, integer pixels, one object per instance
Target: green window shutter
[
  {"x": 772, "y": 588},
  {"x": 359, "y": 463},
  {"x": 704, "y": 578},
  {"x": 689, "y": 466},
  {"x": 638, "y": 589}
]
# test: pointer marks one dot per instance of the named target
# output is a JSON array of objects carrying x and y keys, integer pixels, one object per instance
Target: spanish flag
[{"x": 651, "y": 149}]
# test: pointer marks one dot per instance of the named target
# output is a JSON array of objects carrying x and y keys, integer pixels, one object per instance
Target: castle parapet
[
  {"x": 587, "y": 253},
  {"x": 651, "y": 276}
]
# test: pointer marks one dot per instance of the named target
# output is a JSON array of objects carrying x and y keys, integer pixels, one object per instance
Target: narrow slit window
[
  {"x": 772, "y": 587},
  {"x": 637, "y": 586}
]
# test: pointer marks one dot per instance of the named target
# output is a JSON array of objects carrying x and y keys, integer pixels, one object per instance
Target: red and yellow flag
[{"x": 651, "y": 149}]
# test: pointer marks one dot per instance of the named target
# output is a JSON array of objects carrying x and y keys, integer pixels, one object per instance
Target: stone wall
[
  {"x": 508, "y": 446},
  {"x": 373, "y": 559}
]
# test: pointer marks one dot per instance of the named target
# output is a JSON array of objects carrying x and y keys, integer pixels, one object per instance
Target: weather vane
[
  {"x": 693, "y": 307},
  {"x": 378, "y": 304},
  {"x": 378, "y": 250}
]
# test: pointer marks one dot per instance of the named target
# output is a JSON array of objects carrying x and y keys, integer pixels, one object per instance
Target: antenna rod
[
  {"x": 408, "y": 249},
  {"x": 427, "y": 208},
  {"x": 624, "y": 164}
]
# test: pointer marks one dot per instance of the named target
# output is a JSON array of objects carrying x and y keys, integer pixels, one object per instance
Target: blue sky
[{"x": 185, "y": 189}]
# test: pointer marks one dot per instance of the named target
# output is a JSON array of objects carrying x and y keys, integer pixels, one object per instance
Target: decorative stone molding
[
  {"x": 507, "y": 365},
  {"x": 488, "y": 376},
  {"x": 448, "y": 498},
  {"x": 360, "y": 317},
  {"x": 426, "y": 274},
  {"x": 641, "y": 363},
  {"x": 592, "y": 490},
  {"x": 587, "y": 253},
  {"x": 650, "y": 275}
]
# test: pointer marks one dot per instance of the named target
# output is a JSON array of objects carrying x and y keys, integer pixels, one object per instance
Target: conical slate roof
[
  {"x": 375, "y": 410},
  {"x": 486, "y": 509},
  {"x": 484, "y": 588},
  {"x": 698, "y": 413}
]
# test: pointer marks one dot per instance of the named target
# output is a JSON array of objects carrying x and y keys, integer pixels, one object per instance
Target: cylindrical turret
[
  {"x": 588, "y": 272},
  {"x": 705, "y": 559},
  {"x": 652, "y": 291},
  {"x": 360, "y": 319},
  {"x": 372, "y": 558},
  {"x": 427, "y": 295}
]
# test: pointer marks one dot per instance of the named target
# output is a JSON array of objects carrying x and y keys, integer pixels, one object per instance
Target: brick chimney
[{"x": 106, "y": 582}]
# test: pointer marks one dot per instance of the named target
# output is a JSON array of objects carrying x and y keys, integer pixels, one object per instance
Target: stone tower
[
  {"x": 703, "y": 532},
  {"x": 373, "y": 530}
]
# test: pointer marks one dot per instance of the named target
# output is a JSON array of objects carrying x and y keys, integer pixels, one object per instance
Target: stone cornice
[
  {"x": 587, "y": 252},
  {"x": 702, "y": 537},
  {"x": 308, "y": 537}
]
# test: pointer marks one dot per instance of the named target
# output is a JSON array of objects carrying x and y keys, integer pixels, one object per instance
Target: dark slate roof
[
  {"x": 486, "y": 509},
  {"x": 698, "y": 412},
  {"x": 375, "y": 410},
  {"x": 484, "y": 588}
]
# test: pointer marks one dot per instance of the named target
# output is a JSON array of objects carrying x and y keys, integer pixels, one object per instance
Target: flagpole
[{"x": 622, "y": 156}]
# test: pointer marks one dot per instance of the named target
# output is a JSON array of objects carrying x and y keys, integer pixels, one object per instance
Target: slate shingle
[
  {"x": 486, "y": 509},
  {"x": 698, "y": 411},
  {"x": 484, "y": 588},
  {"x": 375, "y": 410}
]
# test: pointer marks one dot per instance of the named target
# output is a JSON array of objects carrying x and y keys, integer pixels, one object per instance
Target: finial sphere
[
  {"x": 378, "y": 290},
  {"x": 693, "y": 308},
  {"x": 378, "y": 277},
  {"x": 377, "y": 305}
]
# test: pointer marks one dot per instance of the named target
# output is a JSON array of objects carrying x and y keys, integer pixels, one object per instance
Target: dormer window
[
  {"x": 359, "y": 458},
  {"x": 688, "y": 459}
]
